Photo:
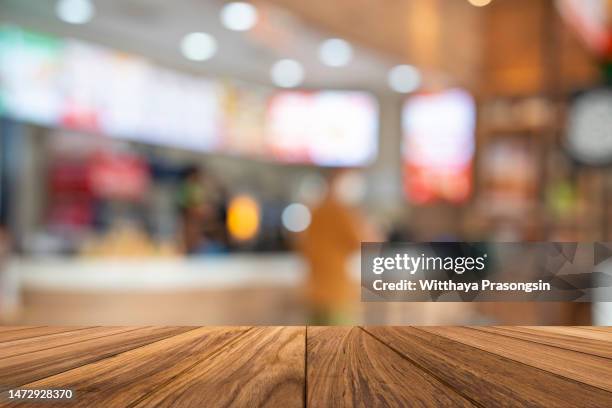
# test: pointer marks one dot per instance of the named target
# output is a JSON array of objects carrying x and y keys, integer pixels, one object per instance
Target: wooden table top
[{"x": 296, "y": 366}]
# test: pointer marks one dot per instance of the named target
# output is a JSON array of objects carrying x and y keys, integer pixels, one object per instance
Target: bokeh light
[
  {"x": 243, "y": 218},
  {"x": 198, "y": 46},
  {"x": 239, "y": 16},
  {"x": 296, "y": 217},
  {"x": 479, "y": 3},
  {"x": 404, "y": 78},
  {"x": 335, "y": 52},
  {"x": 75, "y": 11},
  {"x": 287, "y": 73}
]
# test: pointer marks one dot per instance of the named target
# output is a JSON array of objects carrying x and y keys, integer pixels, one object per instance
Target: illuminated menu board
[
  {"x": 328, "y": 128},
  {"x": 438, "y": 146},
  {"x": 30, "y": 76},
  {"x": 75, "y": 85}
]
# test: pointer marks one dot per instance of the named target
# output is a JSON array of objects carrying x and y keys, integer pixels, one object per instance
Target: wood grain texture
[
  {"x": 17, "y": 333},
  {"x": 347, "y": 367},
  {"x": 263, "y": 368},
  {"x": 128, "y": 377},
  {"x": 597, "y": 328},
  {"x": 51, "y": 341},
  {"x": 586, "y": 368},
  {"x": 577, "y": 340},
  {"x": 595, "y": 333},
  {"x": 310, "y": 366},
  {"x": 487, "y": 378},
  {"x": 25, "y": 368},
  {"x": 4, "y": 329}
]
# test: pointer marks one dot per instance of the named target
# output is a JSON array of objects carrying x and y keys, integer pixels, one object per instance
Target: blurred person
[
  {"x": 202, "y": 209},
  {"x": 334, "y": 235}
]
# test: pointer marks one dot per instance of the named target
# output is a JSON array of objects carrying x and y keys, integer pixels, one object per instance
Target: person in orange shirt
[{"x": 334, "y": 235}]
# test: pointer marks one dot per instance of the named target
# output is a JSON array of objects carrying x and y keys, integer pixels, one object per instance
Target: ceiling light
[
  {"x": 75, "y": 11},
  {"x": 404, "y": 78},
  {"x": 335, "y": 52},
  {"x": 287, "y": 73},
  {"x": 479, "y": 3},
  {"x": 198, "y": 46},
  {"x": 239, "y": 16}
]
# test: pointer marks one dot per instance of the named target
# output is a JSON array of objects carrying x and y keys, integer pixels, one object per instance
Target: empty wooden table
[{"x": 296, "y": 366}]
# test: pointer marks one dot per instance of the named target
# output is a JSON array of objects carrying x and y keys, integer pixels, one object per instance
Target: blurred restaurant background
[{"x": 215, "y": 162}]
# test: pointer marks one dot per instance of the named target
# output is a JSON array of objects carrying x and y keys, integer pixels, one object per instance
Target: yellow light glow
[
  {"x": 243, "y": 218},
  {"x": 479, "y": 3}
]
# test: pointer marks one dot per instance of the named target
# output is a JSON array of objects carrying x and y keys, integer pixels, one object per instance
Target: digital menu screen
[
  {"x": 75, "y": 85},
  {"x": 438, "y": 146},
  {"x": 326, "y": 128},
  {"x": 30, "y": 76}
]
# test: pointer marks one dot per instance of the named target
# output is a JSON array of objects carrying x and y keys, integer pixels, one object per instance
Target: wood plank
[
  {"x": 30, "y": 345},
  {"x": 347, "y": 367},
  {"x": 487, "y": 378},
  {"x": 22, "y": 369},
  {"x": 285, "y": 366},
  {"x": 562, "y": 340},
  {"x": 604, "y": 329},
  {"x": 580, "y": 332},
  {"x": 27, "y": 332},
  {"x": 126, "y": 378},
  {"x": 586, "y": 368},
  {"x": 11, "y": 328},
  {"x": 264, "y": 368}
]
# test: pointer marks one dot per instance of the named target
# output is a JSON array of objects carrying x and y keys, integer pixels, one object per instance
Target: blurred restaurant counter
[{"x": 236, "y": 289}]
